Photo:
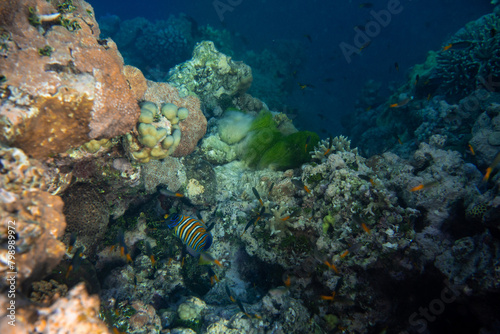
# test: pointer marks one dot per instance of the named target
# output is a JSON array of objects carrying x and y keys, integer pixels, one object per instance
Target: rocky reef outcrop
[{"x": 61, "y": 85}]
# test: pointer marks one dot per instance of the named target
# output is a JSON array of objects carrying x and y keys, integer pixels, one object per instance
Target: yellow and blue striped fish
[{"x": 192, "y": 232}]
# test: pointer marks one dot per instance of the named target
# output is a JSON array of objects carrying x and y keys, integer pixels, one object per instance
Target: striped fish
[{"x": 192, "y": 232}]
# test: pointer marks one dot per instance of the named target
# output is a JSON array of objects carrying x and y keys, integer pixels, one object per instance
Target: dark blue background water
[{"x": 421, "y": 26}]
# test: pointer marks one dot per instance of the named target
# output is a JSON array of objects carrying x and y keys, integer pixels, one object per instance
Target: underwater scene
[{"x": 237, "y": 166}]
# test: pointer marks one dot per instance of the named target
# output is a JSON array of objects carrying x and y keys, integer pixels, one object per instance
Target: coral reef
[
  {"x": 471, "y": 60},
  {"x": 32, "y": 216},
  {"x": 211, "y": 75},
  {"x": 76, "y": 312},
  {"x": 308, "y": 235},
  {"x": 62, "y": 100}
]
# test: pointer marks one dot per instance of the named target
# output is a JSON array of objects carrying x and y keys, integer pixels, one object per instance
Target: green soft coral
[{"x": 268, "y": 147}]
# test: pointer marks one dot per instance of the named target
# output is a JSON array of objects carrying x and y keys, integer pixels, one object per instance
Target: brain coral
[
  {"x": 87, "y": 215},
  {"x": 67, "y": 93}
]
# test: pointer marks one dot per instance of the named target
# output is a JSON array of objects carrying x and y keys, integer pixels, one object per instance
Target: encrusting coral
[
  {"x": 33, "y": 214},
  {"x": 62, "y": 100}
]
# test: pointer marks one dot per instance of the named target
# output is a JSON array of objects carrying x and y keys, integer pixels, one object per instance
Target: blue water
[{"x": 420, "y": 26}]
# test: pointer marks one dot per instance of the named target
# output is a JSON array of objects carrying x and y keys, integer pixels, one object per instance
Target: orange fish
[
  {"x": 149, "y": 253},
  {"x": 366, "y": 228},
  {"x": 495, "y": 162},
  {"x": 471, "y": 149},
  {"x": 447, "y": 47},
  {"x": 207, "y": 258},
  {"x": 285, "y": 218},
  {"x": 330, "y": 298},
  {"x": 401, "y": 103},
  {"x": 332, "y": 266},
  {"x": 330, "y": 143},
  {"x": 75, "y": 261},
  {"x": 169, "y": 193},
  {"x": 299, "y": 184},
  {"x": 307, "y": 143},
  {"x": 344, "y": 254},
  {"x": 424, "y": 186},
  {"x": 288, "y": 281},
  {"x": 72, "y": 241}
]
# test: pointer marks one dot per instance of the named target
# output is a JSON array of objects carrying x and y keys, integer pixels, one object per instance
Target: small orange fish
[
  {"x": 169, "y": 193},
  {"x": 332, "y": 266},
  {"x": 330, "y": 143},
  {"x": 285, "y": 218},
  {"x": 447, "y": 47},
  {"x": 458, "y": 45},
  {"x": 169, "y": 260},
  {"x": 75, "y": 261},
  {"x": 471, "y": 149},
  {"x": 424, "y": 186},
  {"x": 401, "y": 103},
  {"x": 417, "y": 188},
  {"x": 153, "y": 261},
  {"x": 344, "y": 254},
  {"x": 330, "y": 298},
  {"x": 366, "y": 228},
  {"x": 299, "y": 184},
  {"x": 495, "y": 162},
  {"x": 72, "y": 241},
  {"x": 307, "y": 143},
  {"x": 288, "y": 281}
]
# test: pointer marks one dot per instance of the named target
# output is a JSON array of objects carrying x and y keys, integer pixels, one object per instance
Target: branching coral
[{"x": 338, "y": 144}]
